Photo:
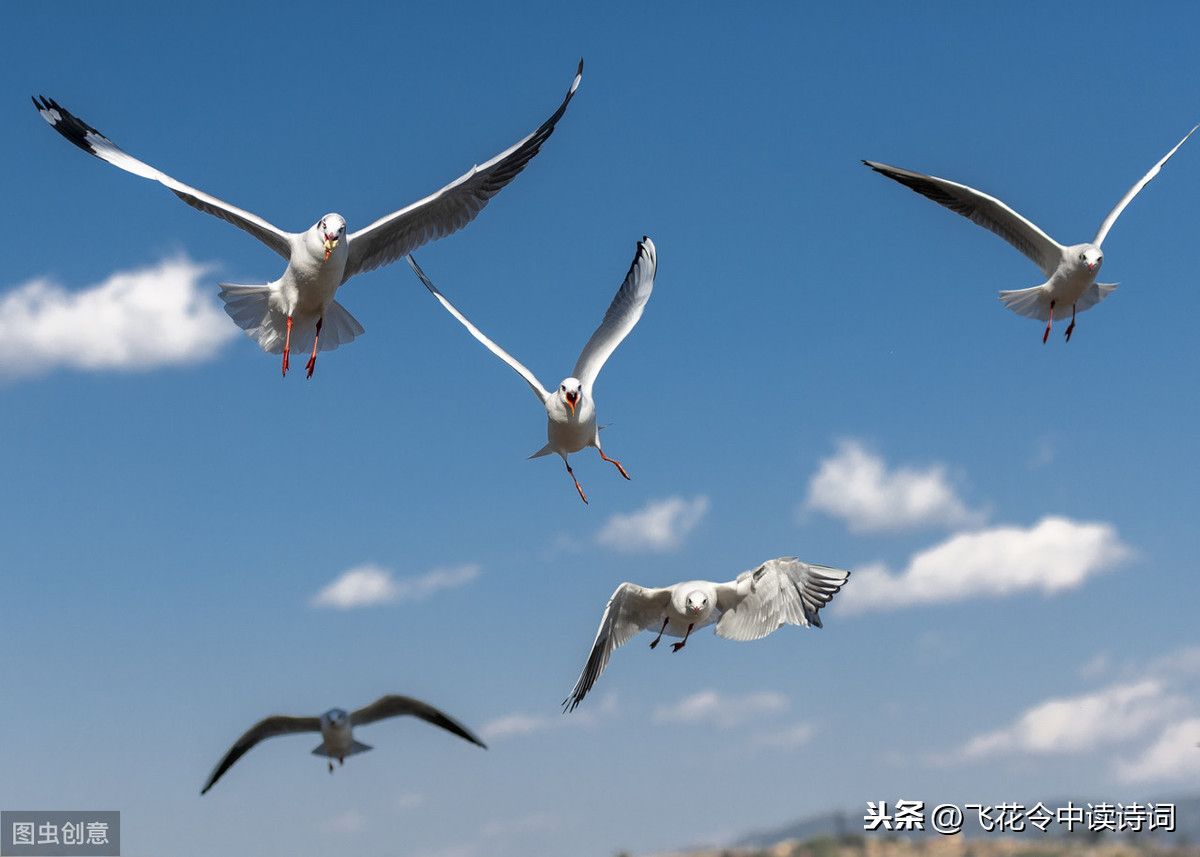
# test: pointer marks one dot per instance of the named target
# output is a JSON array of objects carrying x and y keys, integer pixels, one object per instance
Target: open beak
[
  {"x": 330, "y": 243},
  {"x": 571, "y": 399}
]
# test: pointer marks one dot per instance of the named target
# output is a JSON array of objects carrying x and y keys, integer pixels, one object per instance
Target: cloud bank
[
  {"x": 162, "y": 315},
  {"x": 369, "y": 585},
  {"x": 659, "y": 527},
  {"x": 1053, "y": 555},
  {"x": 857, "y": 488}
]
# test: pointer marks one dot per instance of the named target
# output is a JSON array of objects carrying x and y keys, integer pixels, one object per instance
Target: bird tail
[
  {"x": 253, "y": 310},
  {"x": 1028, "y": 302},
  {"x": 545, "y": 450},
  {"x": 1032, "y": 303},
  {"x": 356, "y": 747}
]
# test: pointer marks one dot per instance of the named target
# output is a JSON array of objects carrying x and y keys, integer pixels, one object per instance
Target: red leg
[
  {"x": 675, "y": 647},
  {"x": 312, "y": 361},
  {"x": 577, "y": 488},
  {"x": 287, "y": 345},
  {"x": 660, "y": 632},
  {"x": 1071, "y": 326},
  {"x": 1046, "y": 335},
  {"x": 614, "y": 461}
]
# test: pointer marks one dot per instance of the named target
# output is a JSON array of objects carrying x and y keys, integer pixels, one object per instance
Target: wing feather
[
  {"x": 452, "y": 207},
  {"x": 268, "y": 727},
  {"x": 631, "y": 609},
  {"x": 1133, "y": 191},
  {"x": 623, "y": 313},
  {"x": 395, "y": 705},
  {"x": 986, "y": 211},
  {"x": 779, "y": 592},
  {"x": 93, "y": 142},
  {"x": 541, "y": 392}
]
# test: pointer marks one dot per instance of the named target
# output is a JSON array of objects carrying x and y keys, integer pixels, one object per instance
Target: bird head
[
  {"x": 1092, "y": 257},
  {"x": 334, "y": 717},
  {"x": 330, "y": 231},
  {"x": 571, "y": 391},
  {"x": 697, "y": 603}
]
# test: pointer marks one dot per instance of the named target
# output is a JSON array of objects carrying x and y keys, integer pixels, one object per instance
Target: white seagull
[
  {"x": 779, "y": 592},
  {"x": 571, "y": 411},
  {"x": 1070, "y": 271},
  {"x": 298, "y": 308},
  {"x": 336, "y": 728}
]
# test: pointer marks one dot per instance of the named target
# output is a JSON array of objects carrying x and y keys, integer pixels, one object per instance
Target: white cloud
[
  {"x": 1053, "y": 555},
  {"x": 1080, "y": 723},
  {"x": 724, "y": 712},
  {"x": 1174, "y": 756},
  {"x": 661, "y": 526},
  {"x": 409, "y": 800},
  {"x": 368, "y": 585},
  {"x": 161, "y": 315},
  {"x": 519, "y": 725},
  {"x": 856, "y": 487}
]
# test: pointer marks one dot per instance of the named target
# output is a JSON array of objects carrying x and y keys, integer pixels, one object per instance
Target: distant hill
[{"x": 839, "y": 826}]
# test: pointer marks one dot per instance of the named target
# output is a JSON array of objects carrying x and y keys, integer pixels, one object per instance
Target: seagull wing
[
  {"x": 1133, "y": 191},
  {"x": 632, "y": 608},
  {"x": 623, "y": 313},
  {"x": 267, "y": 728},
  {"x": 92, "y": 141},
  {"x": 451, "y": 208},
  {"x": 529, "y": 377},
  {"x": 987, "y": 211},
  {"x": 778, "y": 592},
  {"x": 394, "y": 705}
]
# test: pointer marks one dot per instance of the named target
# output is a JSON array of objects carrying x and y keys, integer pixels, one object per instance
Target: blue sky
[{"x": 823, "y": 370}]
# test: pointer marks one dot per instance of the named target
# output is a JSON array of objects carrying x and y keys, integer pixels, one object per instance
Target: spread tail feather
[
  {"x": 545, "y": 450},
  {"x": 253, "y": 310},
  {"x": 1035, "y": 303},
  {"x": 356, "y": 747}
]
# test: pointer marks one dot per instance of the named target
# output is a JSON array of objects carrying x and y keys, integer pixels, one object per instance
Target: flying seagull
[
  {"x": 336, "y": 728},
  {"x": 570, "y": 410},
  {"x": 779, "y": 592},
  {"x": 1070, "y": 271},
  {"x": 298, "y": 309}
]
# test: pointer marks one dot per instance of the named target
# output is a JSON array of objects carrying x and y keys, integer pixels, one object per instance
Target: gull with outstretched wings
[
  {"x": 570, "y": 410},
  {"x": 1070, "y": 271},
  {"x": 337, "y": 730},
  {"x": 779, "y": 592},
  {"x": 298, "y": 310}
]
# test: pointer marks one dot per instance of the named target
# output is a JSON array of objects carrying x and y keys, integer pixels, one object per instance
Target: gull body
[
  {"x": 779, "y": 592},
  {"x": 1070, "y": 271},
  {"x": 299, "y": 310},
  {"x": 337, "y": 730},
  {"x": 571, "y": 409}
]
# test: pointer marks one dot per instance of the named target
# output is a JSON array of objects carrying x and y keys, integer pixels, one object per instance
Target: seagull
[
  {"x": 570, "y": 410},
  {"x": 1070, "y": 271},
  {"x": 778, "y": 592},
  {"x": 337, "y": 730},
  {"x": 324, "y": 257}
]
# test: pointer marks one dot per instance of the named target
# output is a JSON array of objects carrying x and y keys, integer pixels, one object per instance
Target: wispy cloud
[
  {"x": 661, "y": 526},
  {"x": 1053, "y": 555},
  {"x": 350, "y": 821},
  {"x": 134, "y": 320},
  {"x": 857, "y": 487},
  {"x": 791, "y": 738},
  {"x": 369, "y": 585},
  {"x": 724, "y": 712},
  {"x": 1174, "y": 756},
  {"x": 518, "y": 725},
  {"x": 1078, "y": 723}
]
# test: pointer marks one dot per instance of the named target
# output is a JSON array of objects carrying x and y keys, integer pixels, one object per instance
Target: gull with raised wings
[
  {"x": 779, "y": 592},
  {"x": 570, "y": 410},
  {"x": 337, "y": 730},
  {"x": 1070, "y": 271},
  {"x": 299, "y": 308}
]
